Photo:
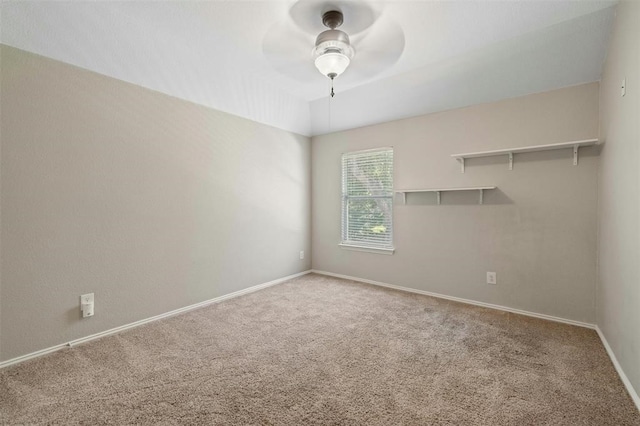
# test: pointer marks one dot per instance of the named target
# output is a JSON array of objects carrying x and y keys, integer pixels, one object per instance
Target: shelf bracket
[
  {"x": 481, "y": 196},
  {"x": 575, "y": 154},
  {"x": 511, "y": 161},
  {"x": 438, "y": 196},
  {"x": 461, "y": 160}
]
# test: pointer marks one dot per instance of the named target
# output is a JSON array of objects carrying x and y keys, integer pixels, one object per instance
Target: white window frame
[{"x": 371, "y": 247}]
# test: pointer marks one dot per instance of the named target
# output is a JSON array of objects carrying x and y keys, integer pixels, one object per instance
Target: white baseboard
[
  {"x": 618, "y": 367},
  {"x": 459, "y": 299},
  {"x": 148, "y": 320}
]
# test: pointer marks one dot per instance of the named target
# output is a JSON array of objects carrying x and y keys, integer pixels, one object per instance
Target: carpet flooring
[{"x": 323, "y": 351}]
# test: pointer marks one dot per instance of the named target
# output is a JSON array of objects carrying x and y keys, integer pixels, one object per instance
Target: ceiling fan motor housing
[{"x": 333, "y": 39}]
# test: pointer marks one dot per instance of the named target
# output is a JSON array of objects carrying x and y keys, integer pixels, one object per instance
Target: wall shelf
[
  {"x": 510, "y": 151},
  {"x": 481, "y": 189}
]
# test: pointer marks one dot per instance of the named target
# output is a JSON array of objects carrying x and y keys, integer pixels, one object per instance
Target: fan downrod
[{"x": 332, "y": 19}]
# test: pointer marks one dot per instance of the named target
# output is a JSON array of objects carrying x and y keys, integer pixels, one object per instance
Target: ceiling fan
[{"x": 356, "y": 36}]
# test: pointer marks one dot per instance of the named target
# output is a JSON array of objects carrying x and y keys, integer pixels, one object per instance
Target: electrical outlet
[
  {"x": 301, "y": 254},
  {"x": 623, "y": 88},
  {"x": 86, "y": 305},
  {"x": 491, "y": 278}
]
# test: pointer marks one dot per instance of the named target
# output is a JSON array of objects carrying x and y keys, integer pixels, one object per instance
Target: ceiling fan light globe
[{"x": 332, "y": 63}]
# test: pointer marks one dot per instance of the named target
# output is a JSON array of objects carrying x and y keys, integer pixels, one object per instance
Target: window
[{"x": 367, "y": 200}]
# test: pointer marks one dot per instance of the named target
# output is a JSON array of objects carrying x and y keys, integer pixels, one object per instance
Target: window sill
[{"x": 377, "y": 250}]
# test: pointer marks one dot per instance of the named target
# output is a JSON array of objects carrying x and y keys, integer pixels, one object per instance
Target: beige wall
[
  {"x": 150, "y": 202},
  {"x": 619, "y": 193},
  {"x": 537, "y": 230}
]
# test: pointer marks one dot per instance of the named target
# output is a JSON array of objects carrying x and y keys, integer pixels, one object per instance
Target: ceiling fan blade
[
  {"x": 288, "y": 50},
  {"x": 377, "y": 49}
]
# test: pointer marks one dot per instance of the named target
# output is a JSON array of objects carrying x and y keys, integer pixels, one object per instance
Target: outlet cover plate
[
  {"x": 491, "y": 278},
  {"x": 86, "y": 298}
]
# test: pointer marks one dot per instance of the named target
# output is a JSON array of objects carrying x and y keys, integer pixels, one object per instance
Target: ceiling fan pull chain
[
  {"x": 332, "y": 93},
  {"x": 329, "y": 106}
]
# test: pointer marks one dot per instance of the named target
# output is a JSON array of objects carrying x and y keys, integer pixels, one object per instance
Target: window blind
[{"x": 367, "y": 198}]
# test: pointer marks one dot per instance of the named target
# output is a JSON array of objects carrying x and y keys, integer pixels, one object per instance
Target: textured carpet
[{"x": 318, "y": 350}]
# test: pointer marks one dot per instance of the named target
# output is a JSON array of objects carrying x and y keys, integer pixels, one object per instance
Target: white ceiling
[{"x": 456, "y": 53}]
